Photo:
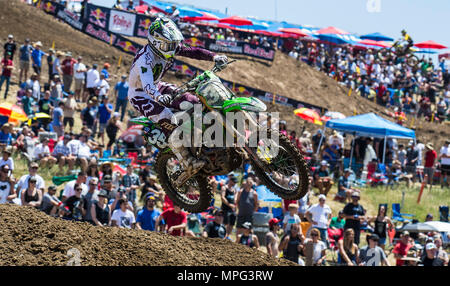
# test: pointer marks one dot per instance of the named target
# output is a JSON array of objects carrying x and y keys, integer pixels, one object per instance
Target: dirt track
[{"x": 30, "y": 237}]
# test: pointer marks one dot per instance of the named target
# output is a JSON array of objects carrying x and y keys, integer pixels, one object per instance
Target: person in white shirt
[
  {"x": 23, "y": 181},
  {"x": 320, "y": 216},
  {"x": 123, "y": 217},
  {"x": 81, "y": 150},
  {"x": 43, "y": 156},
  {"x": 291, "y": 218},
  {"x": 6, "y": 159},
  {"x": 319, "y": 249},
  {"x": 419, "y": 148},
  {"x": 6, "y": 185},
  {"x": 444, "y": 156},
  {"x": 104, "y": 87},
  {"x": 79, "y": 76},
  {"x": 69, "y": 189},
  {"x": 92, "y": 79}
]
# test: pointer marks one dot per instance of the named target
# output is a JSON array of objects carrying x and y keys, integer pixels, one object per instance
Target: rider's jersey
[{"x": 148, "y": 68}]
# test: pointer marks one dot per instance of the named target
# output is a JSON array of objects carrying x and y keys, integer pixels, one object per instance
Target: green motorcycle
[{"x": 274, "y": 159}]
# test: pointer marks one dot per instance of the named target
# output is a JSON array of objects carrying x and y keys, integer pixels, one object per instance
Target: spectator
[
  {"x": 7, "y": 159},
  {"x": 118, "y": 6},
  {"x": 42, "y": 154},
  {"x": 79, "y": 76},
  {"x": 50, "y": 202},
  {"x": 7, "y": 68},
  {"x": 401, "y": 248},
  {"x": 430, "y": 258},
  {"x": 291, "y": 218},
  {"x": 100, "y": 211},
  {"x": 247, "y": 204},
  {"x": 5, "y": 135},
  {"x": 104, "y": 71},
  {"x": 10, "y": 47},
  {"x": 348, "y": 249},
  {"x": 69, "y": 189},
  {"x": 320, "y": 215},
  {"x": 292, "y": 244},
  {"x": 24, "y": 59},
  {"x": 92, "y": 80},
  {"x": 7, "y": 193},
  {"x": 150, "y": 184},
  {"x": 354, "y": 214},
  {"x": 430, "y": 159},
  {"x": 74, "y": 208},
  {"x": 372, "y": 254},
  {"x": 401, "y": 155},
  {"x": 272, "y": 239},
  {"x": 70, "y": 106},
  {"x": 36, "y": 56},
  {"x": 92, "y": 171},
  {"x": 412, "y": 156},
  {"x": 23, "y": 181},
  {"x": 322, "y": 179},
  {"x": 32, "y": 195},
  {"x": 122, "y": 217},
  {"x": 429, "y": 217},
  {"x": 247, "y": 237},
  {"x": 62, "y": 154},
  {"x": 215, "y": 228},
  {"x": 130, "y": 6},
  {"x": 121, "y": 93},
  {"x": 103, "y": 87},
  {"x": 33, "y": 82},
  {"x": 89, "y": 116},
  {"x": 104, "y": 110},
  {"x": 67, "y": 68},
  {"x": 45, "y": 105},
  {"x": 345, "y": 189},
  {"x": 175, "y": 220},
  {"x": 147, "y": 217},
  {"x": 90, "y": 198},
  {"x": 131, "y": 183},
  {"x": 56, "y": 67},
  {"x": 56, "y": 90},
  {"x": 112, "y": 127},
  {"x": 441, "y": 253},
  {"x": 381, "y": 225},
  {"x": 444, "y": 157},
  {"x": 228, "y": 194},
  {"x": 50, "y": 61},
  {"x": 338, "y": 222},
  {"x": 319, "y": 249},
  {"x": 303, "y": 206},
  {"x": 58, "y": 117}
]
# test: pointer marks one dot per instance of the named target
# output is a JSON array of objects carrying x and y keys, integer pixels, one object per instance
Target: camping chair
[
  {"x": 443, "y": 213},
  {"x": 334, "y": 235},
  {"x": 397, "y": 216},
  {"x": 306, "y": 225}
]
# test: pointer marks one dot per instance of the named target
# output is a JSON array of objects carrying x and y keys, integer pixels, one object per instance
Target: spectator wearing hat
[
  {"x": 36, "y": 56},
  {"x": 292, "y": 244},
  {"x": 320, "y": 216},
  {"x": 113, "y": 126},
  {"x": 92, "y": 80},
  {"x": 67, "y": 68},
  {"x": 246, "y": 203},
  {"x": 291, "y": 218},
  {"x": 70, "y": 106},
  {"x": 32, "y": 195},
  {"x": 401, "y": 248},
  {"x": 354, "y": 214},
  {"x": 430, "y": 159},
  {"x": 108, "y": 186},
  {"x": 175, "y": 220},
  {"x": 5, "y": 135},
  {"x": 104, "y": 71},
  {"x": 215, "y": 228},
  {"x": 79, "y": 77},
  {"x": 430, "y": 258},
  {"x": 10, "y": 47},
  {"x": 149, "y": 184},
  {"x": 7, "y": 68},
  {"x": 121, "y": 93},
  {"x": 50, "y": 201},
  {"x": 322, "y": 179},
  {"x": 345, "y": 189},
  {"x": 24, "y": 59},
  {"x": 118, "y": 6},
  {"x": 247, "y": 237},
  {"x": 146, "y": 218},
  {"x": 100, "y": 210},
  {"x": 123, "y": 217},
  {"x": 338, "y": 222},
  {"x": 444, "y": 157},
  {"x": 42, "y": 154},
  {"x": 372, "y": 254},
  {"x": 69, "y": 189},
  {"x": 272, "y": 239},
  {"x": 429, "y": 217},
  {"x": 7, "y": 159},
  {"x": 228, "y": 194},
  {"x": 7, "y": 193},
  {"x": 24, "y": 180},
  {"x": 105, "y": 111}
]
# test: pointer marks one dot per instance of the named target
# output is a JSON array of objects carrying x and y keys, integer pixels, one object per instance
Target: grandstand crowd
[{"x": 95, "y": 184}]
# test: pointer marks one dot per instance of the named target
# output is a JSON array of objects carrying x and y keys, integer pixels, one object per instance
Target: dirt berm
[{"x": 30, "y": 237}]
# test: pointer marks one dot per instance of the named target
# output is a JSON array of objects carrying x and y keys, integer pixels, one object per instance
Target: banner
[
  {"x": 70, "y": 18},
  {"x": 122, "y": 22},
  {"x": 97, "y": 15},
  {"x": 142, "y": 24}
]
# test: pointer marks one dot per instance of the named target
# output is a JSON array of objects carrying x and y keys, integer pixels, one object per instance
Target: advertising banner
[{"x": 122, "y": 22}]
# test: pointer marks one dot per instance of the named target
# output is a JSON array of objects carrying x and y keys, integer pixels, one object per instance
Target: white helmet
[{"x": 164, "y": 37}]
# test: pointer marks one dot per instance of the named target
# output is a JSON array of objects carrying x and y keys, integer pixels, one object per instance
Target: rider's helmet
[
  {"x": 403, "y": 32},
  {"x": 164, "y": 37}
]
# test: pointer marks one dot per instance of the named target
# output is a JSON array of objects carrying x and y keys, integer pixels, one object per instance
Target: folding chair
[
  {"x": 397, "y": 216},
  {"x": 443, "y": 213}
]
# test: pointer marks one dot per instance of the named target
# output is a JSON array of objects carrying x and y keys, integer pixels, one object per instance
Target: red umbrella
[
  {"x": 308, "y": 115},
  {"x": 295, "y": 31},
  {"x": 131, "y": 133},
  {"x": 430, "y": 45},
  {"x": 374, "y": 43},
  {"x": 237, "y": 21},
  {"x": 332, "y": 30},
  {"x": 206, "y": 17},
  {"x": 141, "y": 9}
]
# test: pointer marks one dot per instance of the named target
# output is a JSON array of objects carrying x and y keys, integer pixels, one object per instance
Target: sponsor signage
[{"x": 122, "y": 23}]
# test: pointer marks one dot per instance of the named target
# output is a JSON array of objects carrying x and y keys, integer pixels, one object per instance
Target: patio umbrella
[
  {"x": 266, "y": 196},
  {"x": 14, "y": 112},
  {"x": 376, "y": 37},
  {"x": 333, "y": 38},
  {"x": 438, "y": 226},
  {"x": 430, "y": 45},
  {"x": 308, "y": 115},
  {"x": 205, "y": 17},
  {"x": 141, "y": 8},
  {"x": 295, "y": 31},
  {"x": 185, "y": 11},
  {"x": 332, "y": 30},
  {"x": 41, "y": 117},
  {"x": 236, "y": 21},
  {"x": 374, "y": 43},
  {"x": 131, "y": 133},
  {"x": 332, "y": 115}
]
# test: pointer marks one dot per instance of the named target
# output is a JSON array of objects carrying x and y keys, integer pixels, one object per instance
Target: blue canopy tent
[
  {"x": 377, "y": 37},
  {"x": 370, "y": 125}
]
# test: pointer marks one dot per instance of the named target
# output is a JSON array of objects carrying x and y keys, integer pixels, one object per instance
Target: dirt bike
[
  {"x": 397, "y": 51},
  {"x": 274, "y": 159}
]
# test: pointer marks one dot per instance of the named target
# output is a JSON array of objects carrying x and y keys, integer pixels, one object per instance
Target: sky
[{"x": 423, "y": 19}]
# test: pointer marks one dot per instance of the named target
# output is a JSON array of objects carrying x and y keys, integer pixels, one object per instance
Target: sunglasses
[
  {"x": 78, "y": 190},
  {"x": 313, "y": 234},
  {"x": 34, "y": 168},
  {"x": 32, "y": 182}
]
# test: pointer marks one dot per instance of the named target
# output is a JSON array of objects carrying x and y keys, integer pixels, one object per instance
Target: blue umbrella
[
  {"x": 377, "y": 37},
  {"x": 257, "y": 25},
  {"x": 265, "y": 195},
  {"x": 333, "y": 38},
  {"x": 185, "y": 11}
]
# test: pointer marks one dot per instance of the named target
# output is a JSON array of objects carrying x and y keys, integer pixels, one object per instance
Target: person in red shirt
[
  {"x": 67, "y": 69},
  {"x": 430, "y": 159},
  {"x": 401, "y": 248},
  {"x": 7, "y": 67},
  {"x": 175, "y": 219}
]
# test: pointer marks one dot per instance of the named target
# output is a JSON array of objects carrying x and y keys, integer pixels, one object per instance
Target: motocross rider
[
  {"x": 405, "y": 42},
  {"x": 152, "y": 97}
]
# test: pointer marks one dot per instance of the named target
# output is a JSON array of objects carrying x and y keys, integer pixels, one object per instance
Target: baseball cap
[
  {"x": 10, "y": 36},
  {"x": 430, "y": 246},
  {"x": 34, "y": 165},
  {"x": 247, "y": 225},
  {"x": 293, "y": 206},
  {"x": 405, "y": 233},
  {"x": 150, "y": 196},
  {"x": 324, "y": 163},
  {"x": 124, "y": 76},
  {"x": 32, "y": 179},
  {"x": 322, "y": 197},
  {"x": 348, "y": 170},
  {"x": 107, "y": 178},
  {"x": 374, "y": 236},
  {"x": 52, "y": 188},
  {"x": 94, "y": 181},
  {"x": 103, "y": 193},
  {"x": 273, "y": 221}
]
